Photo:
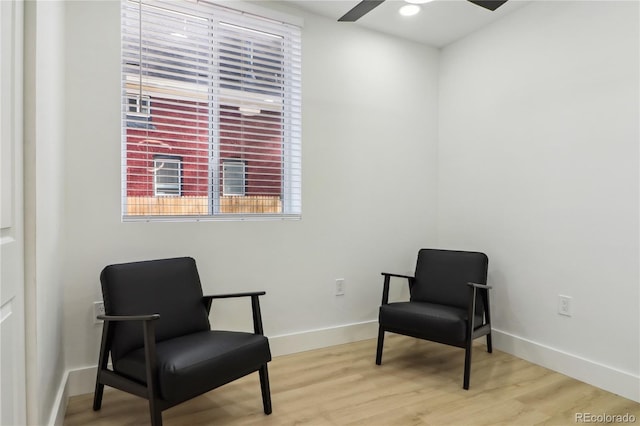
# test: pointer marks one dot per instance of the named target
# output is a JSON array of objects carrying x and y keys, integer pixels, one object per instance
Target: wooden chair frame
[
  {"x": 108, "y": 377},
  {"x": 473, "y": 330}
]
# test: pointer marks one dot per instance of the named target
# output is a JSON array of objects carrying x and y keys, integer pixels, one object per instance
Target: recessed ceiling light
[
  {"x": 418, "y": 1},
  {"x": 409, "y": 9}
]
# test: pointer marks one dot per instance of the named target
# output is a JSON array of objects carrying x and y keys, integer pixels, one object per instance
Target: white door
[{"x": 12, "y": 328}]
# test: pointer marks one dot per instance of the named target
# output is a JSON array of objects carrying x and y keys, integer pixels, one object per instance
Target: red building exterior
[{"x": 182, "y": 130}]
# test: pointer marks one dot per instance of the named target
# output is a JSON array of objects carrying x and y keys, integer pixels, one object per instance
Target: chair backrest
[
  {"x": 442, "y": 275},
  {"x": 169, "y": 287}
]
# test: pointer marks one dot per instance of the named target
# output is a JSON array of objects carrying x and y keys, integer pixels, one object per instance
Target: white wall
[
  {"x": 369, "y": 169},
  {"x": 538, "y": 166},
  {"x": 44, "y": 203}
]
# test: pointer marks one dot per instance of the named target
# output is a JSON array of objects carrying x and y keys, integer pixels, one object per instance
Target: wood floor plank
[{"x": 419, "y": 383}]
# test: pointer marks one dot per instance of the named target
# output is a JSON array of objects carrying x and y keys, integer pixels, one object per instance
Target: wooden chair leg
[
  {"x": 103, "y": 359},
  {"x": 156, "y": 412},
  {"x": 467, "y": 365},
  {"x": 487, "y": 318},
  {"x": 380, "y": 345},
  {"x": 264, "y": 387},
  {"x": 97, "y": 396}
]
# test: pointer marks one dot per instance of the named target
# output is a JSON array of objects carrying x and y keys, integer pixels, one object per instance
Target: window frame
[{"x": 290, "y": 192}]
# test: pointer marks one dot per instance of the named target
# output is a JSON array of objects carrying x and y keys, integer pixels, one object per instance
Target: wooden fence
[
  {"x": 250, "y": 204},
  {"x": 181, "y": 206}
]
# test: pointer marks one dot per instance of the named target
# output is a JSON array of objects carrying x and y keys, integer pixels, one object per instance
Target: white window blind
[{"x": 213, "y": 87}]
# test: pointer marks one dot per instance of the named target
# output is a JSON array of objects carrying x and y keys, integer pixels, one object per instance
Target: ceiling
[{"x": 440, "y": 22}]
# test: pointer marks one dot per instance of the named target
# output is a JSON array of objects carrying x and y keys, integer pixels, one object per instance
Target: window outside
[
  {"x": 168, "y": 173},
  {"x": 211, "y": 107},
  {"x": 233, "y": 173}
]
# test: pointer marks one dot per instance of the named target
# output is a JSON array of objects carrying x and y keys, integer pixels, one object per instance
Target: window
[
  {"x": 138, "y": 106},
  {"x": 139, "y": 112},
  {"x": 233, "y": 173},
  {"x": 167, "y": 175},
  {"x": 211, "y": 113}
]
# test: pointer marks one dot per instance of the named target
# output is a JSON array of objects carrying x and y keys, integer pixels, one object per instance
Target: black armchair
[
  {"x": 449, "y": 302},
  {"x": 162, "y": 348}
]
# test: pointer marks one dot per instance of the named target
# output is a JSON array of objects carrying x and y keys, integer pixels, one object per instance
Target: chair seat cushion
[
  {"x": 440, "y": 323},
  {"x": 196, "y": 363}
]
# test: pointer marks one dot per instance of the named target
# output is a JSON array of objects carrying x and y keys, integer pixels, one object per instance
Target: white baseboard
[
  {"x": 59, "y": 408},
  {"x": 602, "y": 376},
  {"x": 321, "y": 338},
  {"x": 74, "y": 382}
]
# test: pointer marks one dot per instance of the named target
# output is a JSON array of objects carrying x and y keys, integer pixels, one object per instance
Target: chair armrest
[
  {"x": 230, "y": 295},
  {"x": 397, "y": 275},
  {"x": 387, "y": 280},
  {"x": 476, "y": 285},
  {"x": 150, "y": 317},
  {"x": 255, "y": 305},
  {"x": 208, "y": 298}
]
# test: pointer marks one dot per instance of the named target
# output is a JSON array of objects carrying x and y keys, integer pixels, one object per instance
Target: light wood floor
[{"x": 419, "y": 383}]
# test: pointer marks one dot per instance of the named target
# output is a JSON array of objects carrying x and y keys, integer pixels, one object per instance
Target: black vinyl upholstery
[
  {"x": 157, "y": 332},
  {"x": 442, "y": 275},
  {"x": 170, "y": 287},
  {"x": 196, "y": 363},
  {"x": 447, "y": 291},
  {"x": 430, "y": 321}
]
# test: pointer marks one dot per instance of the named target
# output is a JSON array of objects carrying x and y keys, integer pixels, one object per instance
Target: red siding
[{"x": 262, "y": 153}]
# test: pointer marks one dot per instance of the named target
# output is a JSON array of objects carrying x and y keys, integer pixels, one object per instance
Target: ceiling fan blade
[
  {"x": 489, "y": 4},
  {"x": 360, "y": 9}
]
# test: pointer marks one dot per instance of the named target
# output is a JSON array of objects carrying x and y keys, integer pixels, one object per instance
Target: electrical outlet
[
  {"x": 564, "y": 305},
  {"x": 340, "y": 287},
  {"x": 98, "y": 309}
]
